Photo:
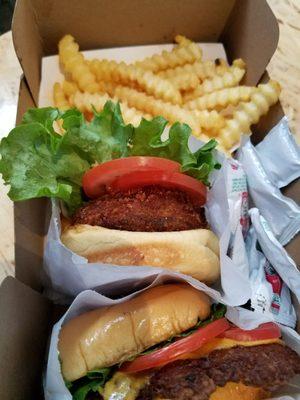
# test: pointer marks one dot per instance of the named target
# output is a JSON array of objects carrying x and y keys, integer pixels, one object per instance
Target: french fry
[
  {"x": 133, "y": 116},
  {"x": 74, "y": 64},
  {"x": 173, "y": 113},
  {"x": 58, "y": 126},
  {"x": 86, "y": 102},
  {"x": 231, "y": 78},
  {"x": 110, "y": 86},
  {"x": 185, "y": 81},
  {"x": 107, "y": 87},
  {"x": 182, "y": 40},
  {"x": 201, "y": 70},
  {"x": 122, "y": 73},
  {"x": 175, "y": 84},
  {"x": 69, "y": 88},
  {"x": 59, "y": 98},
  {"x": 221, "y": 98},
  {"x": 153, "y": 106},
  {"x": 180, "y": 55},
  {"x": 248, "y": 113},
  {"x": 209, "y": 120}
]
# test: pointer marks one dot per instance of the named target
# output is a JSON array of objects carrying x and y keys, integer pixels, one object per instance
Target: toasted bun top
[{"x": 109, "y": 335}]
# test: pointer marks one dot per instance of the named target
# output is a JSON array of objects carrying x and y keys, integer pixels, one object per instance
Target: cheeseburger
[{"x": 170, "y": 343}]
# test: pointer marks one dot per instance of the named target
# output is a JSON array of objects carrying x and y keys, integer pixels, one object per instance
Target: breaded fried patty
[{"x": 148, "y": 209}]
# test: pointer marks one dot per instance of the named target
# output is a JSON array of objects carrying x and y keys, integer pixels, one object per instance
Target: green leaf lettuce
[
  {"x": 36, "y": 161},
  {"x": 94, "y": 381}
]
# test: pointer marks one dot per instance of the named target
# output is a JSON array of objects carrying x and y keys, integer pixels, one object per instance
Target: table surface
[{"x": 283, "y": 67}]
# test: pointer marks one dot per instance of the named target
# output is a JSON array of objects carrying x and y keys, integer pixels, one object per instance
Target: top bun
[{"x": 109, "y": 335}]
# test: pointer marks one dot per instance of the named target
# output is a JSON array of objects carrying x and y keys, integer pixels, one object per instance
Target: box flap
[
  {"x": 24, "y": 331},
  {"x": 251, "y": 33},
  {"x": 251, "y": 30},
  {"x": 27, "y": 43},
  {"x": 25, "y": 100},
  {"x": 38, "y": 25},
  {"x": 31, "y": 224},
  {"x": 30, "y": 219}
]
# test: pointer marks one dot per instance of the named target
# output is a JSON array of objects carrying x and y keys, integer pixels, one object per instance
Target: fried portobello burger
[
  {"x": 144, "y": 211},
  {"x": 131, "y": 197},
  {"x": 170, "y": 343}
]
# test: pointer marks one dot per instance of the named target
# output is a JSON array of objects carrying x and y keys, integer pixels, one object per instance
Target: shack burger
[{"x": 170, "y": 343}]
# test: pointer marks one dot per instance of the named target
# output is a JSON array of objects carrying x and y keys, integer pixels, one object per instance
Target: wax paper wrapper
[
  {"x": 54, "y": 386},
  {"x": 70, "y": 274},
  {"x": 281, "y": 212}
]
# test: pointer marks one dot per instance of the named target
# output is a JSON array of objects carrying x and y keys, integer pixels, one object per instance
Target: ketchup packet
[
  {"x": 227, "y": 214},
  {"x": 275, "y": 254},
  {"x": 270, "y": 295},
  {"x": 280, "y": 155},
  {"x": 282, "y": 213}
]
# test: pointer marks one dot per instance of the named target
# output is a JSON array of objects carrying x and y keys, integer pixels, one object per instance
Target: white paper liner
[{"x": 54, "y": 386}]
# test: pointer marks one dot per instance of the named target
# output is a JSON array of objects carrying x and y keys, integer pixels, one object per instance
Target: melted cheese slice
[
  {"x": 124, "y": 386},
  {"x": 127, "y": 386},
  {"x": 237, "y": 391},
  {"x": 223, "y": 343}
]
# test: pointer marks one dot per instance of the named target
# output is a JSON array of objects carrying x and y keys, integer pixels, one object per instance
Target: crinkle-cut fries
[{"x": 176, "y": 84}]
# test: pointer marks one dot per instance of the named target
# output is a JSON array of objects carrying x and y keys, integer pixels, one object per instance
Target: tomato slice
[
  {"x": 95, "y": 180},
  {"x": 172, "y": 180},
  {"x": 181, "y": 346},
  {"x": 265, "y": 331}
]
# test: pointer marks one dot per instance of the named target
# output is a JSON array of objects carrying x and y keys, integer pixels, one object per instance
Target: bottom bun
[
  {"x": 194, "y": 252},
  {"x": 239, "y": 391}
]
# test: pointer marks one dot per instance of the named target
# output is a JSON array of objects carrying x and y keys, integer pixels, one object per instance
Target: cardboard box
[{"x": 247, "y": 28}]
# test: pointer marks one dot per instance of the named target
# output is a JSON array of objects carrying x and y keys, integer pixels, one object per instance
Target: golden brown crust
[
  {"x": 193, "y": 252},
  {"x": 109, "y": 335}
]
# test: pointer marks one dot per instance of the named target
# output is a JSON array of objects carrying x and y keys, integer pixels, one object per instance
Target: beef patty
[
  {"x": 266, "y": 366},
  {"x": 148, "y": 209}
]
